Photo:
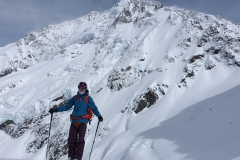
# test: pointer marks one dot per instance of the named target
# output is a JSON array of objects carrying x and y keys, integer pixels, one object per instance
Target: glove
[
  {"x": 52, "y": 110},
  {"x": 100, "y": 118}
]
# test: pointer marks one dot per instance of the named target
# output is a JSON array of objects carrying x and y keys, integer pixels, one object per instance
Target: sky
[{"x": 19, "y": 17}]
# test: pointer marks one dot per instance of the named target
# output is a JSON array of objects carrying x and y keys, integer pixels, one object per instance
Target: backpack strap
[
  {"x": 86, "y": 98},
  {"x": 87, "y": 116}
]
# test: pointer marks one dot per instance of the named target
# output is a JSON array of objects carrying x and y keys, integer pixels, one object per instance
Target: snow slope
[{"x": 166, "y": 81}]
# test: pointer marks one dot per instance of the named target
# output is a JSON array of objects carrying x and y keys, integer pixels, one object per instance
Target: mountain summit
[{"x": 165, "y": 79}]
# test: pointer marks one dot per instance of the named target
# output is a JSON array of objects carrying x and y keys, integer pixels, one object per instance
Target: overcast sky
[{"x": 19, "y": 17}]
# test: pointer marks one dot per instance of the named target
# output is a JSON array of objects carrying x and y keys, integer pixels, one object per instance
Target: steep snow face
[{"x": 166, "y": 81}]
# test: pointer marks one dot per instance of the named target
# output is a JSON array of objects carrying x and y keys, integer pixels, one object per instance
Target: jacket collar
[{"x": 84, "y": 94}]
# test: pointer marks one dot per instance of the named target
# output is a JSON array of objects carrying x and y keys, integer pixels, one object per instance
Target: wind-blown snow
[{"x": 166, "y": 80}]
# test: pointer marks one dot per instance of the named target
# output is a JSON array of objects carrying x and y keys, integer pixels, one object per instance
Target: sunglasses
[{"x": 82, "y": 88}]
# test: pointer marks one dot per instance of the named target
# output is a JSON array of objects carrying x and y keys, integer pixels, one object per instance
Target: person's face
[{"x": 82, "y": 89}]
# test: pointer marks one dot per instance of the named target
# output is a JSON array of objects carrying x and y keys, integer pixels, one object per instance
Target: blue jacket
[{"x": 80, "y": 106}]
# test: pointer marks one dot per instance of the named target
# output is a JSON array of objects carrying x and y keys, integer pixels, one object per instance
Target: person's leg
[
  {"x": 81, "y": 142},
  {"x": 72, "y": 138}
]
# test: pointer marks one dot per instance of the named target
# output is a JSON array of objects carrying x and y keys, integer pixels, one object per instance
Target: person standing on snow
[{"x": 79, "y": 118}]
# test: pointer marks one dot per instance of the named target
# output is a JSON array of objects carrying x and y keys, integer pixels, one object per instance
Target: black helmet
[{"x": 82, "y": 85}]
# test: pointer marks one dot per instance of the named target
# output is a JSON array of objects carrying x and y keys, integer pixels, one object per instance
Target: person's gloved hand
[
  {"x": 52, "y": 110},
  {"x": 100, "y": 118}
]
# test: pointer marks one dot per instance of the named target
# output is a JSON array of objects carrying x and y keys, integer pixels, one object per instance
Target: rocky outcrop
[
  {"x": 122, "y": 78},
  {"x": 137, "y": 10},
  {"x": 191, "y": 69},
  {"x": 149, "y": 97},
  {"x": 40, "y": 129}
]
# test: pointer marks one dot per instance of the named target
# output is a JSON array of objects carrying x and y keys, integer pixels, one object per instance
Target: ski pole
[
  {"x": 94, "y": 140},
  {"x": 49, "y": 134}
]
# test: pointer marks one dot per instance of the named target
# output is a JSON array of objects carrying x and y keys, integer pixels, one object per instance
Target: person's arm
[
  {"x": 92, "y": 105},
  {"x": 68, "y": 106}
]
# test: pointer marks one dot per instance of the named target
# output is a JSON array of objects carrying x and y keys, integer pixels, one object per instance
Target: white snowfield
[{"x": 166, "y": 81}]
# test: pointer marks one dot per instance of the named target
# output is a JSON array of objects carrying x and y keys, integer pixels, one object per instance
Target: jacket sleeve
[
  {"x": 92, "y": 105},
  {"x": 68, "y": 106}
]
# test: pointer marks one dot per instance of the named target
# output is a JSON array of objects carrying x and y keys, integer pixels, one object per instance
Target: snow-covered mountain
[{"x": 165, "y": 79}]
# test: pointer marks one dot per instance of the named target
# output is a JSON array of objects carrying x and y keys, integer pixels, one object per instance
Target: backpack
[{"x": 87, "y": 116}]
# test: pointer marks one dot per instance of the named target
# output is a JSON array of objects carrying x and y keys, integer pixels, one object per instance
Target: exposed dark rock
[
  {"x": 58, "y": 142},
  {"x": 15, "y": 130},
  {"x": 128, "y": 68},
  {"x": 228, "y": 55},
  {"x": 158, "y": 6},
  {"x": 169, "y": 59},
  {"x": 57, "y": 146},
  {"x": 196, "y": 57},
  {"x": 196, "y": 24},
  {"x": 237, "y": 63},
  {"x": 184, "y": 80},
  {"x": 125, "y": 16},
  {"x": 162, "y": 88},
  {"x": 127, "y": 13},
  {"x": 13, "y": 65},
  {"x": 209, "y": 65},
  {"x": 191, "y": 74},
  {"x": 10, "y": 86},
  {"x": 62, "y": 103},
  {"x": 203, "y": 40},
  {"x": 147, "y": 100},
  {"x": 219, "y": 39},
  {"x": 141, "y": 105},
  {"x": 58, "y": 98},
  {"x": 212, "y": 30},
  {"x": 216, "y": 51},
  {"x": 148, "y": 14},
  {"x": 124, "y": 77},
  {"x": 29, "y": 56},
  {"x": 143, "y": 8},
  {"x": 6, "y": 123},
  {"x": 99, "y": 90},
  {"x": 41, "y": 134},
  {"x": 6, "y": 72},
  {"x": 30, "y": 37}
]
